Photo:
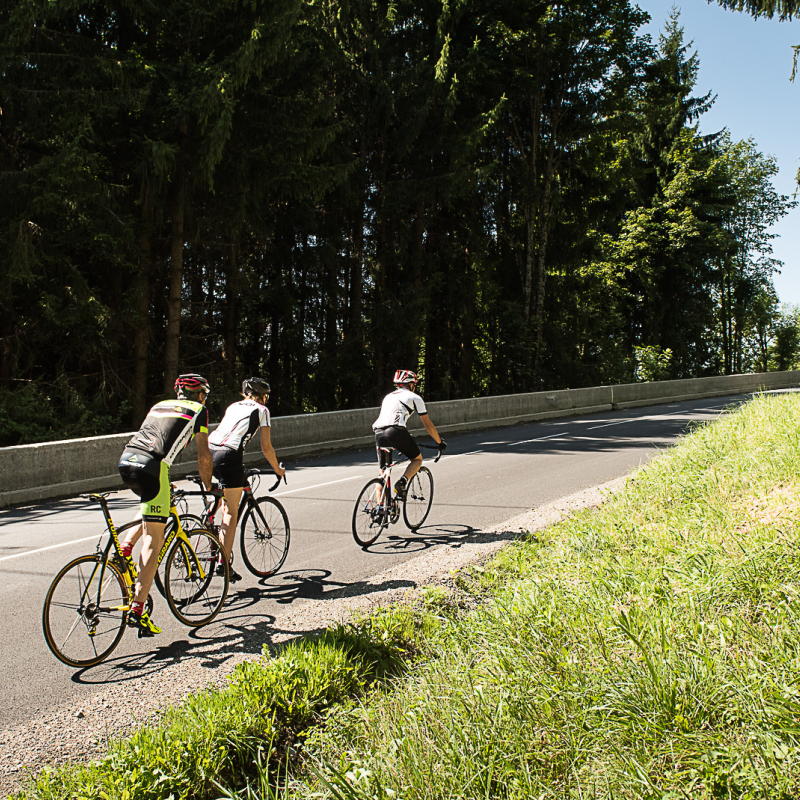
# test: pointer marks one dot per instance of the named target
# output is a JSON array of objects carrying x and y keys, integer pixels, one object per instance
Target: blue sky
[{"x": 747, "y": 63}]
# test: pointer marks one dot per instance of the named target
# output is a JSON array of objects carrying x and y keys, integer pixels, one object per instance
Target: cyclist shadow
[
  {"x": 208, "y": 647},
  {"x": 424, "y": 538},
  {"x": 238, "y": 629},
  {"x": 209, "y": 651},
  {"x": 255, "y": 632},
  {"x": 312, "y": 584}
]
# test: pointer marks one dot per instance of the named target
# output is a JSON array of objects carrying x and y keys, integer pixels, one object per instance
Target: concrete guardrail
[{"x": 35, "y": 472}]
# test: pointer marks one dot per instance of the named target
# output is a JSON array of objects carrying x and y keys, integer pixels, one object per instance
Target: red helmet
[
  {"x": 403, "y": 376},
  {"x": 191, "y": 383}
]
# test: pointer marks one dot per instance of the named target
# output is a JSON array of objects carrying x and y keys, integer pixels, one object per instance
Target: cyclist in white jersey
[
  {"x": 227, "y": 443},
  {"x": 391, "y": 426}
]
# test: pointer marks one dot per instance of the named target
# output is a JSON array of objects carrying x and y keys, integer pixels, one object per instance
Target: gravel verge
[{"x": 76, "y": 733}]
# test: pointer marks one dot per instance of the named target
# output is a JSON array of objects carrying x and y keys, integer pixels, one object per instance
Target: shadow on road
[
  {"x": 453, "y": 535},
  {"x": 238, "y": 629}
]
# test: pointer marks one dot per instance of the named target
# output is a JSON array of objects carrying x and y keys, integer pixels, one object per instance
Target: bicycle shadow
[
  {"x": 453, "y": 535},
  {"x": 237, "y": 630},
  {"x": 207, "y": 653},
  {"x": 315, "y": 584}
]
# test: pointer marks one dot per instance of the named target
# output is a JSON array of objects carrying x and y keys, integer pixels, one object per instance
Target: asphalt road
[{"x": 485, "y": 478}]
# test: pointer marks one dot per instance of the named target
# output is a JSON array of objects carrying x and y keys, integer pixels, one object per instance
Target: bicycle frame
[
  {"x": 210, "y": 508},
  {"x": 386, "y": 462},
  {"x": 173, "y": 532}
]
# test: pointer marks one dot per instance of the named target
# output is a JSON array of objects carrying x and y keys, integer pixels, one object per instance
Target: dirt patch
[{"x": 779, "y": 506}]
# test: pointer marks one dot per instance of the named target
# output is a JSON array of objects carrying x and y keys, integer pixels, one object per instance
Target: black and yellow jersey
[{"x": 169, "y": 427}]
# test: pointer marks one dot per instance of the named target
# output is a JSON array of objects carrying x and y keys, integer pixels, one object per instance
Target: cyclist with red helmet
[
  {"x": 241, "y": 422},
  {"x": 144, "y": 467},
  {"x": 391, "y": 426}
]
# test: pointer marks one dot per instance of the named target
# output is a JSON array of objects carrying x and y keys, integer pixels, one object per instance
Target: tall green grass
[
  {"x": 649, "y": 649},
  {"x": 252, "y": 726}
]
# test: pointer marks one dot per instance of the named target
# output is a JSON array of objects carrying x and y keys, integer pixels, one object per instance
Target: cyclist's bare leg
[
  {"x": 230, "y": 513},
  {"x": 134, "y": 535},
  {"x": 148, "y": 559},
  {"x": 413, "y": 467}
]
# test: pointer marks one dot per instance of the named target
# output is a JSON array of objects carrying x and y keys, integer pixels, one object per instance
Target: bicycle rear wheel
[
  {"x": 194, "y": 592},
  {"x": 188, "y": 522},
  {"x": 264, "y": 537},
  {"x": 370, "y": 515},
  {"x": 419, "y": 496},
  {"x": 83, "y": 618}
]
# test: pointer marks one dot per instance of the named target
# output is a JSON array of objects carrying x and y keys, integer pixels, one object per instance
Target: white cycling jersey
[
  {"x": 239, "y": 425},
  {"x": 397, "y": 407}
]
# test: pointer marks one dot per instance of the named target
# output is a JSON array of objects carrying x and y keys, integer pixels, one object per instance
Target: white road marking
[
  {"x": 317, "y": 486},
  {"x": 89, "y": 538},
  {"x": 458, "y": 455},
  {"x": 540, "y": 439},
  {"x": 617, "y": 422},
  {"x": 52, "y": 547},
  {"x": 609, "y": 424},
  {"x": 659, "y": 416}
]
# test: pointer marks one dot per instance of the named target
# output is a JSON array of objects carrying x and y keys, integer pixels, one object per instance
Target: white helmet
[{"x": 403, "y": 376}]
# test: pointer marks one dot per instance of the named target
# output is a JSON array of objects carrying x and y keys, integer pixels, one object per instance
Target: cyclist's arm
[
  {"x": 431, "y": 428},
  {"x": 269, "y": 451},
  {"x": 205, "y": 463}
]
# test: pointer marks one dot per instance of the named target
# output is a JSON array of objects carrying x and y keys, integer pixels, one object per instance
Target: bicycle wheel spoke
[
  {"x": 419, "y": 496},
  {"x": 82, "y": 624},
  {"x": 70, "y": 631},
  {"x": 264, "y": 537},
  {"x": 370, "y": 515},
  {"x": 194, "y": 592}
]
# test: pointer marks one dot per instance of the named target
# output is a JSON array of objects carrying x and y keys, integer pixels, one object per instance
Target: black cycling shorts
[
  {"x": 397, "y": 436},
  {"x": 229, "y": 467},
  {"x": 147, "y": 476}
]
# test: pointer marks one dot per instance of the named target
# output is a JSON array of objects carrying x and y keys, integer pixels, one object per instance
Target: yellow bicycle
[{"x": 86, "y": 607}]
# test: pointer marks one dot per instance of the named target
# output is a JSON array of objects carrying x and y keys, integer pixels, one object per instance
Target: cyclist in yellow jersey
[{"x": 144, "y": 467}]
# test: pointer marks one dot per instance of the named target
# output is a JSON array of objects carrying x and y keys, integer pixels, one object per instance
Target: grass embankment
[{"x": 646, "y": 649}]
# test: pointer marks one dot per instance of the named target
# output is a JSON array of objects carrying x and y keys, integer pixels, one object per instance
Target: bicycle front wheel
[
  {"x": 370, "y": 516},
  {"x": 264, "y": 537},
  {"x": 419, "y": 496},
  {"x": 195, "y": 593},
  {"x": 83, "y": 616}
]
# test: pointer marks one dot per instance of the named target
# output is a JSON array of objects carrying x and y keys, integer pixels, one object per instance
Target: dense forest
[{"x": 507, "y": 195}]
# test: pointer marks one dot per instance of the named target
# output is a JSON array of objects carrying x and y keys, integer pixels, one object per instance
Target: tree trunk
[
  {"x": 724, "y": 321},
  {"x": 141, "y": 336},
  {"x": 467, "y": 324},
  {"x": 173, "y": 333},
  {"x": 6, "y": 331},
  {"x": 418, "y": 252},
  {"x": 356, "y": 283},
  {"x": 379, "y": 348},
  {"x": 232, "y": 292},
  {"x": 544, "y": 228}
]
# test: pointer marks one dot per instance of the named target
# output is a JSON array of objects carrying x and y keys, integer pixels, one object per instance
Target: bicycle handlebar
[
  {"x": 256, "y": 471},
  {"x": 438, "y": 447}
]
